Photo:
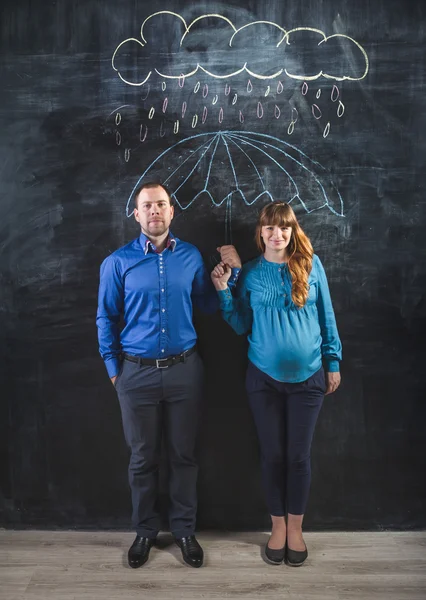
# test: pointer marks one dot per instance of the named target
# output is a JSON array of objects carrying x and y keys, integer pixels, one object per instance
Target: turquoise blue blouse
[{"x": 286, "y": 342}]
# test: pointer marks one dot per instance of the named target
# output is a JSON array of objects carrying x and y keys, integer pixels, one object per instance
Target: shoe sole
[
  {"x": 291, "y": 564},
  {"x": 273, "y": 562}
]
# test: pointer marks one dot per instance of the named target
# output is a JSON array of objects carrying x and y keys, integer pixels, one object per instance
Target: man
[{"x": 153, "y": 363}]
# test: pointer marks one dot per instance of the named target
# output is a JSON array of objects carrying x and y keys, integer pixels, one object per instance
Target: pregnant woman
[{"x": 283, "y": 302}]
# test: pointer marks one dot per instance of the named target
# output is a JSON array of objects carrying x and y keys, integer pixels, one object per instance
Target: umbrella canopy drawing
[{"x": 253, "y": 166}]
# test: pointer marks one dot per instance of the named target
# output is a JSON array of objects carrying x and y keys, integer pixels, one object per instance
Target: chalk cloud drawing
[
  {"x": 211, "y": 44},
  {"x": 204, "y": 73}
]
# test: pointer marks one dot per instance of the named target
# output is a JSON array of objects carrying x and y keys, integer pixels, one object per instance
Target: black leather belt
[{"x": 161, "y": 363}]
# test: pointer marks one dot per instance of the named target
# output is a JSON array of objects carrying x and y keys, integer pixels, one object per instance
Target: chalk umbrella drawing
[{"x": 227, "y": 165}]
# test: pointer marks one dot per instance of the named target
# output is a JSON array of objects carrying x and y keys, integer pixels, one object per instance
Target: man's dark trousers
[{"x": 158, "y": 402}]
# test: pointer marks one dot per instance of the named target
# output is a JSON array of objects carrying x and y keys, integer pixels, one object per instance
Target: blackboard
[{"x": 234, "y": 104}]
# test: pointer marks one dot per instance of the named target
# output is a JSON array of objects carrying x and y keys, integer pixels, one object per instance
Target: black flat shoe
[
  {"x": 192, "y": 553},
  {"x": 295, "y": 558},
  {"x": 276, "y": 557},
  {"x": 139, "y": 551}
]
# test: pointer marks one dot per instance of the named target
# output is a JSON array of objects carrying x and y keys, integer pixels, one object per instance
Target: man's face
[{"x": 154, "y": 211}]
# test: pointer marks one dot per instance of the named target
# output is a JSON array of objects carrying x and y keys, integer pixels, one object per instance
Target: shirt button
[
  {"x": 162, "y": 350},
  {"x": 163, "y": 310},
  {"x": 279, "y": 268},
  {"x": 163, "y": 330},
  {"x": 162, "y": 289}
]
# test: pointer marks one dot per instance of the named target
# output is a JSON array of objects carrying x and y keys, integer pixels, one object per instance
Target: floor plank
[{"x": 37, "y": 565}]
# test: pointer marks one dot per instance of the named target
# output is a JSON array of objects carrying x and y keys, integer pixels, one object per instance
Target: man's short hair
[{"x": 148, "y": 185}]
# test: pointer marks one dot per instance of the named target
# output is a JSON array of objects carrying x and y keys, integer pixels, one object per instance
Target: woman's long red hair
[{"x": 299, "y": 250}]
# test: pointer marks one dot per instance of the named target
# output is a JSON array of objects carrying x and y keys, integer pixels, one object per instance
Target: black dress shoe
[
  {"x": 295, "y": 558},
  {"x": 139, "y": 551},
  {"x": 192, "y": 552},
  {"x": 275, "y": 556}
]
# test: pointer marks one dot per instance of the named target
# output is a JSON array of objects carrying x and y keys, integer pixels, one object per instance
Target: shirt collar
[{"x": 146, "y": 243}]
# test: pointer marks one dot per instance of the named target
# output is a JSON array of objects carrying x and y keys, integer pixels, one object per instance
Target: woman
[{"x": 283, "y": 303}]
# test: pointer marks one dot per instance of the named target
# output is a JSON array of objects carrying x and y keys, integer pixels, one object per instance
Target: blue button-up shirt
[{"x": 154, "y": 292}]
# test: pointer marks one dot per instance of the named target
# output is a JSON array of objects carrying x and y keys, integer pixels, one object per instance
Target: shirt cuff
[
  {"x": 112, "y": 366},
  {"x": 225, "y": 297},
  {"x": 235, "y": 273},
  {"x": 333, "y": 365}
]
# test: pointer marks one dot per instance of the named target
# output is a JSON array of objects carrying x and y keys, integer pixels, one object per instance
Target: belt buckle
[{"x": 158, "y": 361}]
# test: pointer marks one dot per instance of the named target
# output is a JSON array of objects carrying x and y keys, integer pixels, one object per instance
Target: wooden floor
[{"x": 68, "y": 565}]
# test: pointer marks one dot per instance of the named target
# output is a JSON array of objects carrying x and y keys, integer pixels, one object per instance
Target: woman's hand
[
  {"x": 220, "y": 275},
  {"x": 333, "y": 382}
]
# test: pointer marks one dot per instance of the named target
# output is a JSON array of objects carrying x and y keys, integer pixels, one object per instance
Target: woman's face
[{"x": 275, "y": 238}]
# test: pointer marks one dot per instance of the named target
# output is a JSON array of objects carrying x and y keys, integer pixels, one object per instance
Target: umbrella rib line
[
  {"x": 311, "y": 160},
  {"x": 211, "y": 163},
  {"x": 273, "y": 160},
  {"x": 313, "y": 175},
  {"x": 186, "y": 159},
  {"x": 231, "y": 162},
  {"x": 271, "y": 137},
  {"x": 254, "y": 166},
  {"x": 195, "y": 166},
  {"x": 279, "y": 150},
  {"x": 156, "y": 160}
]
